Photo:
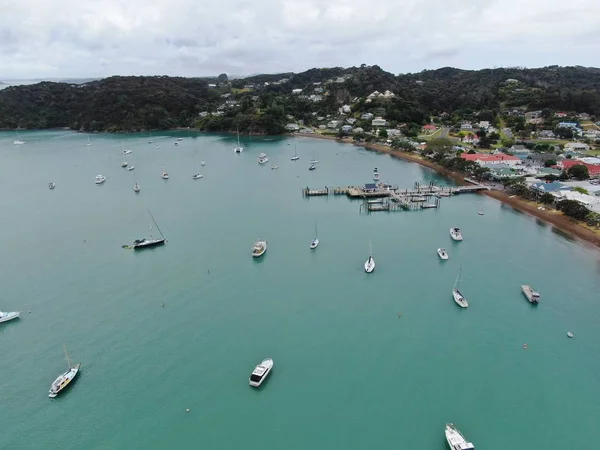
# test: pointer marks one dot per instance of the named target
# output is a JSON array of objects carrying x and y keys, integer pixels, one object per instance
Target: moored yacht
[
  {"x": 51, "y": 185},
  {"x": 63, "y": 380},
  {"x": 532, "y": 296},
  {"x": 260, "y": 372},
  {"x": 314, "y": 161},
  {"x": 130, "y": 167},
  {"x": 164, "y": 175},
  {"x": 142, "y": 243},
  {"x": 124, "y": 164},
  {"x": 370, "y": 263},
  {"x": 457, "y": 295},
  {"x": 295, "y": 157},
  {"x": 136, "y": 187},
  {"x": 197, "y": 176},
  {"x": 274, "y": 166},
  {"x": 202, "y": 163},
  {"x": 259, "y": 248},
  {"x": 6, "y": 316},
  {"x": 263, "y": 158},
  {"x": 100, "y": 179},
  {"x": 315, "y": 242},
  {"x": 312, "y": 167},
  {"x": 375, "y": 174},
  {"x": 456, "y": 440},
  {"x": 126, "y": 152},
  {"x": 456, "y": 234},
  {"x": 443, "y": 253},
  {"x": 238, "y": 148}
]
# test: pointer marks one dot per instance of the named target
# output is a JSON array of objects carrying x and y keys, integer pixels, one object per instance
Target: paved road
[{"x": 444, "y": 132}]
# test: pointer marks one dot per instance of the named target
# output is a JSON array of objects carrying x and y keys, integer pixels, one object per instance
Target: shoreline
[{"x": 550, "y": 216}]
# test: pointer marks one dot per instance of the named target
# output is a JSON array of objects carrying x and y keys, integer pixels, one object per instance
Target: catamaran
[
  {"x": 259, "y": 248},
  {"x": 456, "y": 294},
  {"x": 530, "y": 293},
  {"x": 315, "y": 242},
  {"x": 64, "y": 379},
  {"x": 6, "y": 316},
  {"x": 260, "y": 372},
  {"x": 456, "y": 440},
  {"x": 238, "y": 148},
  {"x": 295, "y": 157},
  {"x": 140, "y": 244},
  {"x": 456, "y": 234},
  {"x": 370, "y": 263}
]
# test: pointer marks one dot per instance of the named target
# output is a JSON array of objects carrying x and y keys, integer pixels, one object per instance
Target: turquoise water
[{"x": 349, "y": 372}]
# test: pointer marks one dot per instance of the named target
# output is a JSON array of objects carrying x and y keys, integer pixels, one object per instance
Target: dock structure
[{"x": 306, "y": 192}]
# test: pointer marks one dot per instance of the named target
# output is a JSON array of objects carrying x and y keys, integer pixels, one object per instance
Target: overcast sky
[{"x": 92, "y": 38}]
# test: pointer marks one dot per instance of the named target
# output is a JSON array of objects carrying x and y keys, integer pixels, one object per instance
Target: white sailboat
[
  {"x": 89, "y": 142},
  {"x": 480, "y": 212},
  {"x": 63, "y": 380},
  {"x": 370, "y": 263},
  {"x": 130, "y": 167},
  {"x": 315, "y": 242},
  {"x": 295, "y": 157},
  {"x": 456, "y": 294},
  {"x": 150, "y": 138},
  {"x": 136, "y": 187},
  {"x": 164, "y": 175},
  {"x": 19, "y": 141},
  {"x": 197, "y": 175},
  {"x": 238, "y": 148}
]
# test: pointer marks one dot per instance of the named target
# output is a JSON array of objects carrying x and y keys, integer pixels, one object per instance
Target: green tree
[
  {"x": 383, "y": 133},
  {"x": 547, "y": 198},
  {"x": 579, "y": 172},
  {"x": 549, "y": 163},
  {"x": 222, "y": 78},
  {"x": 442, "y": 146},
  {"x": 573, "y": 209}
]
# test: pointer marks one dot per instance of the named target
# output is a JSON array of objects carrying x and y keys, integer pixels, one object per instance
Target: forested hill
[{"x": 265, "y": 103}]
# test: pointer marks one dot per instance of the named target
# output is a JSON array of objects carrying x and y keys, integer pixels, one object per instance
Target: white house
[
  {"x": 485, "y": 124},
  {"x": 351, "y": 120},
  {"x": 315, "y": 98},
  {"x": 366, "y": 116},
  {"x": 333, "y": 124},
  {"x": 394, "y": 132},
  {"x": 296, "y": 91},
  {"x": 358, "y": 130},
  {"x": 379, "y": 122},
  {"x": 292, "y": 127},
  {"x": 466, "y": 126},
  {"x": 345, "y": 109},
  {"x": 576, "y": 146},
  {"x": 347, "y": 128}
]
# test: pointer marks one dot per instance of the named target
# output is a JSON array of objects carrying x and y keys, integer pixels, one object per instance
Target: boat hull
[
  {"x": 9, "y": 316},
  {"x": 268, "y": 363},
  {"x": 528, "y": 293},
  {"x": 370, "y": 265},
  {"x": 459, "y": 299},
  {"x": 314, "y": 244},
  {"x": 149, "y": 244},
  {"x": 68, "y": 381},
  {"x": 442, "y": 255},
  {"x": 457, "y": 236}
]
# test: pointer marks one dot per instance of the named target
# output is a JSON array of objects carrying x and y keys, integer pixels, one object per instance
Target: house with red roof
[
  {"x": 486, "y": 159},
  {"x": 593, "y": 169},
  {"x": 429, "y": 128}
]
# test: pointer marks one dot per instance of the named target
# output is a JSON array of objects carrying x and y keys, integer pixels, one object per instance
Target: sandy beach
[{"x": 551, "y": 216}]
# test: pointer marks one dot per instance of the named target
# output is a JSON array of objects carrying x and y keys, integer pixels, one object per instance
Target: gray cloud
[{"x": 71, "y": 38}]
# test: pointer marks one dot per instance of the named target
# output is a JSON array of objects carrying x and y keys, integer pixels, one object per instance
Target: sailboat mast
[
  {"x": 457, "y": 282},
  {"x": 157, "y": 227},
  {"x": 67, "y": 356}
]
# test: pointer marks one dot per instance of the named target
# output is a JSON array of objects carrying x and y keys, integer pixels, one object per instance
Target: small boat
[
  {"x": 375, "y": 174},
  {"x": 197, "y": 176},
  {"x": 480, "y": 212},
  {"x": 150, "y": 141},
  {"x": 274, "y": 167},
  {"x": 314, "y": 161},
  {"x": 176, "y": 143},
  {"x": 443, "y": 253},
  {"x": 263, "y": 158},
  {"x": 532, "y": 296},
  {"x": 143, "y": 243},
  {"x": 259, "y": 248},
  {"x": 164, "y": 175},
  {"x": 100, "y": 179},
  {"x": 158, "y": 146},
  {"x": 370, "y": 263},
  {"x": 456, "y": 234},
  {"x": 89, "y": 142},
  {"x": 569, "y": 334},
  {"x": 130, "y": 167},
  {"x": 124, "y": 164},
  {"x": 315, "y": 242},
  {"x": 456, "y": 440},
  {"x": 202, "y": 163},
  {"x": 457, "y": 295},
  {"x": 312, "y": 167},
  {"x": 238, "y": 148},
  {"x": 295, "y": 157},
  {"x": 19, "y": 141},
  {"x": 63, "y": 380},
  {"x": 260, "y": 372},
  {"x": 136, "y": 187},
  {"x": 6, "y": 316},
  {"x": 179, "y": 139},
  {"x": 126, "y": 152},
  {"x": 51, "y": 185}
]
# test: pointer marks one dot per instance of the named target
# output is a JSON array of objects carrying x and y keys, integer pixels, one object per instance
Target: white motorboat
[
  {"x": 569, "y": 334},
  {"x": 456, "y": 440},
  {"x": 443, "y": 253},
  {"x": 158, "y": 146},
  {"x": 51, "y": 185},
  {"x": 274, "y": 167},
  {"x": 457, "y": 295},
  {"x": 259, "y": 248},
  {"x": 6, "y": 316},
  {"x": 456, "y": 234},
  {"x": 261, "y": 372},
  {"x": 130, "y": 167},
  {"x": 315, "y": 242},
  {"x": 100, "y": 179},
  {"x": 238, "y": 148},
  {"x": 197, "y": 176},
  {"x": 65, "y": 379},
  {"x": 176, "y": 143},
  {"x": 532, "y": 296},
  {"x": 370, "y": 263},
  {"x": 375, "y": 174},
  {"x": 312, "y": 167},
  {"x": 136, "y": 187},
  {"x": 164, "y": 175},
  {"x": 124, "y": 164},
  {"x": 126, "y": 152},
  {"x": 263, "y": 158},
  {"x": 295, "y": 157}
]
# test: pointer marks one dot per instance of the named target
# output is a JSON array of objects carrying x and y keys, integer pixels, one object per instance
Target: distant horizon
[{"x": 238, "y": 76}]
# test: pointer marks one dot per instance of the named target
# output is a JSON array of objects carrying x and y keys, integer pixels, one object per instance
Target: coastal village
[{"x": 549, "y": 155}]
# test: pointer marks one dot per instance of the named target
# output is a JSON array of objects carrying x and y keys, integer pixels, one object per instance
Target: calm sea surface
[{"x": 349, "y": 372}]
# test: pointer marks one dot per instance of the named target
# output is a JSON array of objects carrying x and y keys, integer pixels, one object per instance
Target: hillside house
[
  {"x": 378, "y": 122},
  {"x": 333, "y": 124},
  {"x": 367, "y": 116},
  {"x": 485, "y": 159},
  {"x": 577, "y": 146},
  {"x": 296, "y": 91},
  {"x": 292, "y": 127},
  {"x": 347, "y": 128},
  {"x": 466, "y": 126}
]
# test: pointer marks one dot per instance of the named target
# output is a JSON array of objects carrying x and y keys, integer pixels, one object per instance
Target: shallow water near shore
[{"x": 349, "y": 372}]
